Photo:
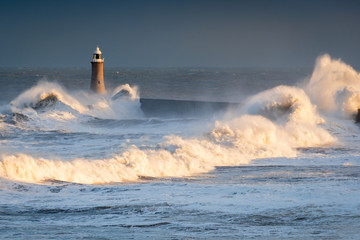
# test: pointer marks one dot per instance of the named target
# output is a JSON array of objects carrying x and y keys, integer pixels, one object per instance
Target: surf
[{"x": 271, "y": 124}]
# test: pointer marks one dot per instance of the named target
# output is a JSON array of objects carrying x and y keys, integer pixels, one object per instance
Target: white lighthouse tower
[{"x": 97, "y": 73}]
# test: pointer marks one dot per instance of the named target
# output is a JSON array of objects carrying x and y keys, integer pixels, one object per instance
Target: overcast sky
[{"x": 178, "y": 33}]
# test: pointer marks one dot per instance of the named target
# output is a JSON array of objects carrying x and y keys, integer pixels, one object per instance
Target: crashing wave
[
  {"x": 122, "y": 93},
  {"x": 125, "y": 92},
  {"x": 335, "y": 87},
  {"x": 48, "y": 100},
  {"x": 283, "y": 104},
  {"x": 273, "y": 123},
  {"x": 51, "y": 98},
  {"x": 231, "y": 142},
  {"x": 46, "y": 94}
]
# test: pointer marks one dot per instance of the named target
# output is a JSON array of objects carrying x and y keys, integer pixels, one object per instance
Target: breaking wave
[
  {"x": 273, "y": 123},
  {"x": 229, "y": 143},
  {"x": 46, "y": 94},
  {"x": 48, "y": 103},
  {"x": 284, "y": 104},
  {"x": 334, "y": 87}
]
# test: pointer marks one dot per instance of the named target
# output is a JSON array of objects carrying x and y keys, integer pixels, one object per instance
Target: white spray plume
[
  {"x": 44, "y": 89},
  {"x": 334, "y": 87},
  {"x": 65, "y": 106}
]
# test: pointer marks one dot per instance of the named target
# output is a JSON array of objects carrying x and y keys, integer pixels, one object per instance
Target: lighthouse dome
[{"x": 97, "y": 50}]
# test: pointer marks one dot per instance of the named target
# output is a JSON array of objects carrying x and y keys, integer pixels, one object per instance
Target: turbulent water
[{"x": 280, "y": 162}]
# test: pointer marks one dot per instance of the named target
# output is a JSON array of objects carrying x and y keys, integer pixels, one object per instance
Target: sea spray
[
  {"x": 31, "y": 97},
  {"x": 127, "y": 91},
  {"x": 314, "y": 195},
  {"x": 251, "y": 135},
  {"x": 292, "y": 109},
  {"x": 334, "y": 87},
  {"x": 52, "y": 107}
]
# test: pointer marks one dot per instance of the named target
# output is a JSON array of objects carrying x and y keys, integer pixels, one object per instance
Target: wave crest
[
  {"x": 283, "y": 104},
  {"x": 230, "y": 142},
  {"x": 45, "y": 94},
  {"x": 334, "y": 87},
  {"x": 48, "y": 101}
]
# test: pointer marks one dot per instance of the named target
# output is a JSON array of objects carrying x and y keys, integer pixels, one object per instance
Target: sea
[{"x": 181, "y": 153}]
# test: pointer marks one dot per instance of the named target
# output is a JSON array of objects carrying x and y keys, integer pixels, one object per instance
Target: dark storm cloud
[{"x": 178, "y": 33}]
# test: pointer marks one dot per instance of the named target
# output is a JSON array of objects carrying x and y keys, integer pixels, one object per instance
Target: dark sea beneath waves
[{"x": 74, "y": 165}]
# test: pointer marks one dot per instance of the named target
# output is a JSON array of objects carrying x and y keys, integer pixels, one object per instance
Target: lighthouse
[{"x": 97, "y": 72}]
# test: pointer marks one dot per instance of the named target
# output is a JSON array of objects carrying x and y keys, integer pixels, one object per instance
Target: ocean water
[{"x": 164, "y": 156}]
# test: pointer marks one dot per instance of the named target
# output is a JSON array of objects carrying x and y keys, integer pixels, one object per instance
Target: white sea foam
[
  {"x": 271, "y": 124},
  {"x": 44, "y": 89},
  {"x": 52, "y": 107}
]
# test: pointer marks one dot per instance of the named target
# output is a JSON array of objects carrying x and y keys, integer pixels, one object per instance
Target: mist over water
[{"x": 56, "y": 136}]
